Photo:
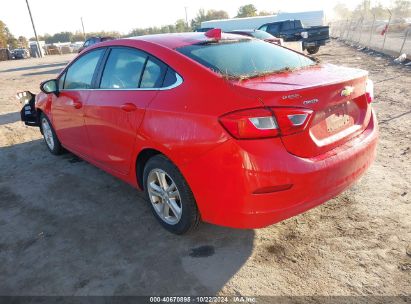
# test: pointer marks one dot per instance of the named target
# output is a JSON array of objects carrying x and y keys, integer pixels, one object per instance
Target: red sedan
[{"x": 216, "y": 127}]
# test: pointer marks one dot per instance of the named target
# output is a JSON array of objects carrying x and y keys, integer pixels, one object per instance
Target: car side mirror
[{"x": 50, "y": 86}]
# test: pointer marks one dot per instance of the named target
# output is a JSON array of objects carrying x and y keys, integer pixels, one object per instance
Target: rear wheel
[
  {"x": 170, "y": 197},
  {"x": 313, "y": 49},
  {"x": 49, "y": 135}
]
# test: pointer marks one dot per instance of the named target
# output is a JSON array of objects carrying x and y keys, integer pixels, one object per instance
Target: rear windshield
[
  {"x": 262, "y": 35},
  {"x": 245, "y": 58}
]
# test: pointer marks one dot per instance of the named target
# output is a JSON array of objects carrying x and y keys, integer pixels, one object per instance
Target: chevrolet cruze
[{"x": 216, "y": 127}]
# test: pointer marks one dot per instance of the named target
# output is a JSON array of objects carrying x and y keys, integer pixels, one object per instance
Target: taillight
[
  {"x": 265, "y": 122},
  {"x": 292, "y": 120},
  {"x": 369, "y": 91},
  {"x": 251, "y": 123}
]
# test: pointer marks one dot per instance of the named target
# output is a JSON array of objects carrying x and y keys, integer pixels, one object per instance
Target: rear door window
[
  {"x": 153, "y": 74},
  {"x": 170, "y": 78},
  {"x": 80, "y": 74},
  {"x": 123, "y": 69}
]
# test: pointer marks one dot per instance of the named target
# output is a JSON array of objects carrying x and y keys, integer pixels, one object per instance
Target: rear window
[
  {"x": 245, "y": 58},
  {"x": 262, "y": 35}
]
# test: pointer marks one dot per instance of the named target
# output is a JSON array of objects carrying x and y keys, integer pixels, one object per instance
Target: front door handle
[
  {"x": 128, "y": 107},
  {"x": 77, "y": 104}
]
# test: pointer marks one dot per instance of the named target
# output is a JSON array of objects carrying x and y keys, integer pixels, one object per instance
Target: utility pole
[
  {"x": 82, "y": 25},
  {"x": 34, "y": 29},
  {"x": 185, "y": 8}
]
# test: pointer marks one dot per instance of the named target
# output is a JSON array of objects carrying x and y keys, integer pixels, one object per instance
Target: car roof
[
  {"x": 244, "y": 31},
  {"x": 176, "y": 40}
]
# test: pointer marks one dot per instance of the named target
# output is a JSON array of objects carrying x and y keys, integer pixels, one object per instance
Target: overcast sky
[{"x": 52, "y": 16}]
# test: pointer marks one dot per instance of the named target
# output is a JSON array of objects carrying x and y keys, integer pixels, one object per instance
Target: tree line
[
  {"x": 399, "y": 9},
  {"x": 249, "y": 10}
]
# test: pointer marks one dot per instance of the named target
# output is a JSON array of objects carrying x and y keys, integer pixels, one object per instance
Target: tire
[
  {"x": 313, "y": 50},
  {"x": 169, "y": 196},
  {"x": 49, "y": 135}
]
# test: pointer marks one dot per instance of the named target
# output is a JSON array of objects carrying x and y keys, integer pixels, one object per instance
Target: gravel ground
[{"x": 68, "y": 228}]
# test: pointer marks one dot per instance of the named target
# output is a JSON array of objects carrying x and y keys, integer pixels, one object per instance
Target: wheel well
[
  {"x": 39, "y": 112},
  {"x": 142, "y": 159}
]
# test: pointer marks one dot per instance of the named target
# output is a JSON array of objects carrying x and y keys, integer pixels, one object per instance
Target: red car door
[
  {"x": 114, "y": 111},
  {"x": 68, "y": 107}
]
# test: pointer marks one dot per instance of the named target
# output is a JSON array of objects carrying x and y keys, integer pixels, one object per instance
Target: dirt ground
[{"x": 68, "y": 228}]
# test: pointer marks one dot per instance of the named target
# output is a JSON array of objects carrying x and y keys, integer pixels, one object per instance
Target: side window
[
  {"x": 153, "y": 74},
  {"x": 61, "y": 81},
  {"x": 287, "y": 25},
  {"x": 170, "y": 78},
  {"x": 274, "y": 28},
  {"x": 87, "y": 43},
  {"x": 123, "y": 69},
  {"x": 263, "y": 28},
  {"x": 80, "y": 74}
]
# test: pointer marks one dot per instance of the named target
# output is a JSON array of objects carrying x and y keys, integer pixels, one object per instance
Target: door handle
[
  {"x": 128, "y": 107},
  {"x": 77, "y": 104}
]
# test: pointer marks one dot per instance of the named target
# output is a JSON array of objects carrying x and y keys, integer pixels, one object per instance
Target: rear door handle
[
  {"x": 77, "y": 104},
  {"x": 128, "y": 107}
]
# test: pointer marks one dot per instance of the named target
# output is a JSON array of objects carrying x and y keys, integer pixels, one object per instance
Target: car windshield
[{"x": 245, "y": 58}]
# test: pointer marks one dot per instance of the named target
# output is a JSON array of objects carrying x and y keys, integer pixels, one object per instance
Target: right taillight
[
  {"x": 369, "y": 91},
  {"x": 265, "y": 122}
]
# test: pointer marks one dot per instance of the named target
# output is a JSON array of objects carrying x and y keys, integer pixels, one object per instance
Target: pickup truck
[{"x": 293, "y": 30}]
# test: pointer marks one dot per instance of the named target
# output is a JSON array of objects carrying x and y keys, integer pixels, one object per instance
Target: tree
[
  {"x": 402, "y": 8},
  {"x": 379, "y": 11},
  {"x": 23, "y": 43},
  {"x": 77, "y": 36},
  {"x": 248, "y": 10},
  {"x": 181, "y": 26},
  {"x": 60, "y": 37},
  {"x": 203, "y": 15},
  {"x": 341, "y": 11},
  {"x": 265, "y": 13},
  {"x": 6, "y": 38},
  {"x": 3, "y": 35}
]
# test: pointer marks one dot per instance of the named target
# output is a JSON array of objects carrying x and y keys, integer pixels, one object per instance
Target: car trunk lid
[{"x": 336, "y": 95}]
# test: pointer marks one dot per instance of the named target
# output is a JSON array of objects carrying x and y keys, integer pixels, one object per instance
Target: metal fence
[{"x": 388, "y": 34}]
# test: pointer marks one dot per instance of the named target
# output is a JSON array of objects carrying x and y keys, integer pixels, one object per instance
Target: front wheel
[
  {"x": 50, "y": 136},
  {"x": 170, "y": 197},
  {"x": 313, "y": 49}
]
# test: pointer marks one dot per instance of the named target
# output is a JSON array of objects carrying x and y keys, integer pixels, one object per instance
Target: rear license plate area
[{"x": 337, "y": 118}]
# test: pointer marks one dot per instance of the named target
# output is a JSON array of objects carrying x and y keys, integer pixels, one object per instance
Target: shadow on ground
[
  {"x": 44, "y": 72},
  {"x": 9, "y": 118},
  {"x": 70, "y": 229},
  {"x": 35, "y": 67}
]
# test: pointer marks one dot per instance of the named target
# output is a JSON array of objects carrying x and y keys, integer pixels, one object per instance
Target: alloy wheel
[
  {"x": 47, "y": 133},
  {"x": 164, "y": 196}
]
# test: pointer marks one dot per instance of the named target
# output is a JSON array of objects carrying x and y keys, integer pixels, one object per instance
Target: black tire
[
  {"x": 313, "y": 50},
  {"x": 190, "y": 216},
  {"x": 55, "y": 148}
]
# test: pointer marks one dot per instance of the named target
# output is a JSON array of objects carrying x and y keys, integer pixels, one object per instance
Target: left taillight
[
  {"x": 265, "y": 122},
  {"x": 369, "y": 91}
]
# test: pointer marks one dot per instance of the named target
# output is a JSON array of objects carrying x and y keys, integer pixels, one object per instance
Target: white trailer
[{"x": 311, "y": 18}]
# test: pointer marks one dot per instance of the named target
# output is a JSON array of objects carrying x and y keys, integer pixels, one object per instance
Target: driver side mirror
[{"x": 50, "y": 86}]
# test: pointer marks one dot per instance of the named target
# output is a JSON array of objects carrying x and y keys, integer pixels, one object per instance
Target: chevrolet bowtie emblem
[{"x": 347, "y": 91}]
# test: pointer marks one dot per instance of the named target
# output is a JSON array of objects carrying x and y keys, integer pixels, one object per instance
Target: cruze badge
[
  {"x": 347, "y": 91},
  {"x": 315, "y": 100}
]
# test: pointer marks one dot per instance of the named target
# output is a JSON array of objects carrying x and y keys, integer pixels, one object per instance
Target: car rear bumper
[{"x": 225, "y": 181}]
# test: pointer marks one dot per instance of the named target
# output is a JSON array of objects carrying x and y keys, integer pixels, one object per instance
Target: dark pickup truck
[{"x": 293, "y": 30}]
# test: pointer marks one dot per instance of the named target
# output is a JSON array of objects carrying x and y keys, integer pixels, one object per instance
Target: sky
[{"x": 53, "y": 16}]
